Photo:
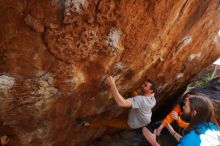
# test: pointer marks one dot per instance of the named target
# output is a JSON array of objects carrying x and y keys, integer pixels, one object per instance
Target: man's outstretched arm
[
  {"x": 150, "y": 137},
  {"x": 117, "y": 96}
]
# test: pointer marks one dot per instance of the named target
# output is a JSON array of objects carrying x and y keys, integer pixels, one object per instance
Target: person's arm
[
  {"x": 117, "y": 96},
  {"x": 159, "y": 129},
  {"x": 175, "y": 134},
  {"x": 150, "y": 137},
  {"x": 168, "y": 119},
  {"x": 182, "y": 123}
]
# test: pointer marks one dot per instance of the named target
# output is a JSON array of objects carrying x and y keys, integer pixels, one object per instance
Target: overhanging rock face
[{"x": 56, "y": 54}]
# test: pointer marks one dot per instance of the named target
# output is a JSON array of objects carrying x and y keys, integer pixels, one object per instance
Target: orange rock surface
[{"x": 56, "y": 54}]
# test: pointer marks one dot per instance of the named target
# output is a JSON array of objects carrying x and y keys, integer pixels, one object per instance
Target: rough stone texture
[
  {"x": 56, "y": 54},
  {"x": 33, "y": 23}
]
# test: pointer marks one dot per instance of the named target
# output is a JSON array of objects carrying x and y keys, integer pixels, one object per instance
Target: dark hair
[
  {"x": 204, "y": 111},
  {"x": 153, "y": 85},
  {"x": 182, "y": 99}
]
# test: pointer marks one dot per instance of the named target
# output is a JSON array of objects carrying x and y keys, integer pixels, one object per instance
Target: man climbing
[{"x": 140, "y": 113}]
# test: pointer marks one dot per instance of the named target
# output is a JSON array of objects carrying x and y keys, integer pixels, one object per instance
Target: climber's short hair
[{"x": 154, "y": 85}]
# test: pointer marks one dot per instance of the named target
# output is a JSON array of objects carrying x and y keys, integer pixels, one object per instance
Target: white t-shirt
[{"x": 140, "y": 114}]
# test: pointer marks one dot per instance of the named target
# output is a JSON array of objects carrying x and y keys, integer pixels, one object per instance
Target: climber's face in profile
[
  {"x": 147, "y": 87},
  {"x": 186, "y": 106},
  {"x": 187, "y": 114}
]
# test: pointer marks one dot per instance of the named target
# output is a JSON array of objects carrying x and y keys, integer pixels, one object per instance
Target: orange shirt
[{"x": 169, "y": 119}]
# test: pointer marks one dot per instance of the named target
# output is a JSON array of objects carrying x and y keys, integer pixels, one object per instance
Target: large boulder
[{"x": 56, "y": 54}]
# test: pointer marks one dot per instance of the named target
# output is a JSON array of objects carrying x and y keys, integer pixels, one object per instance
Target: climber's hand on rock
[
  {"x": 111, "y": 81},
  {"x": 170, "y": 128}
]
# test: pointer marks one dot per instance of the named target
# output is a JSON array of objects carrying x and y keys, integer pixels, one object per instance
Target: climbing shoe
[{"x": 82, "y": 122}]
